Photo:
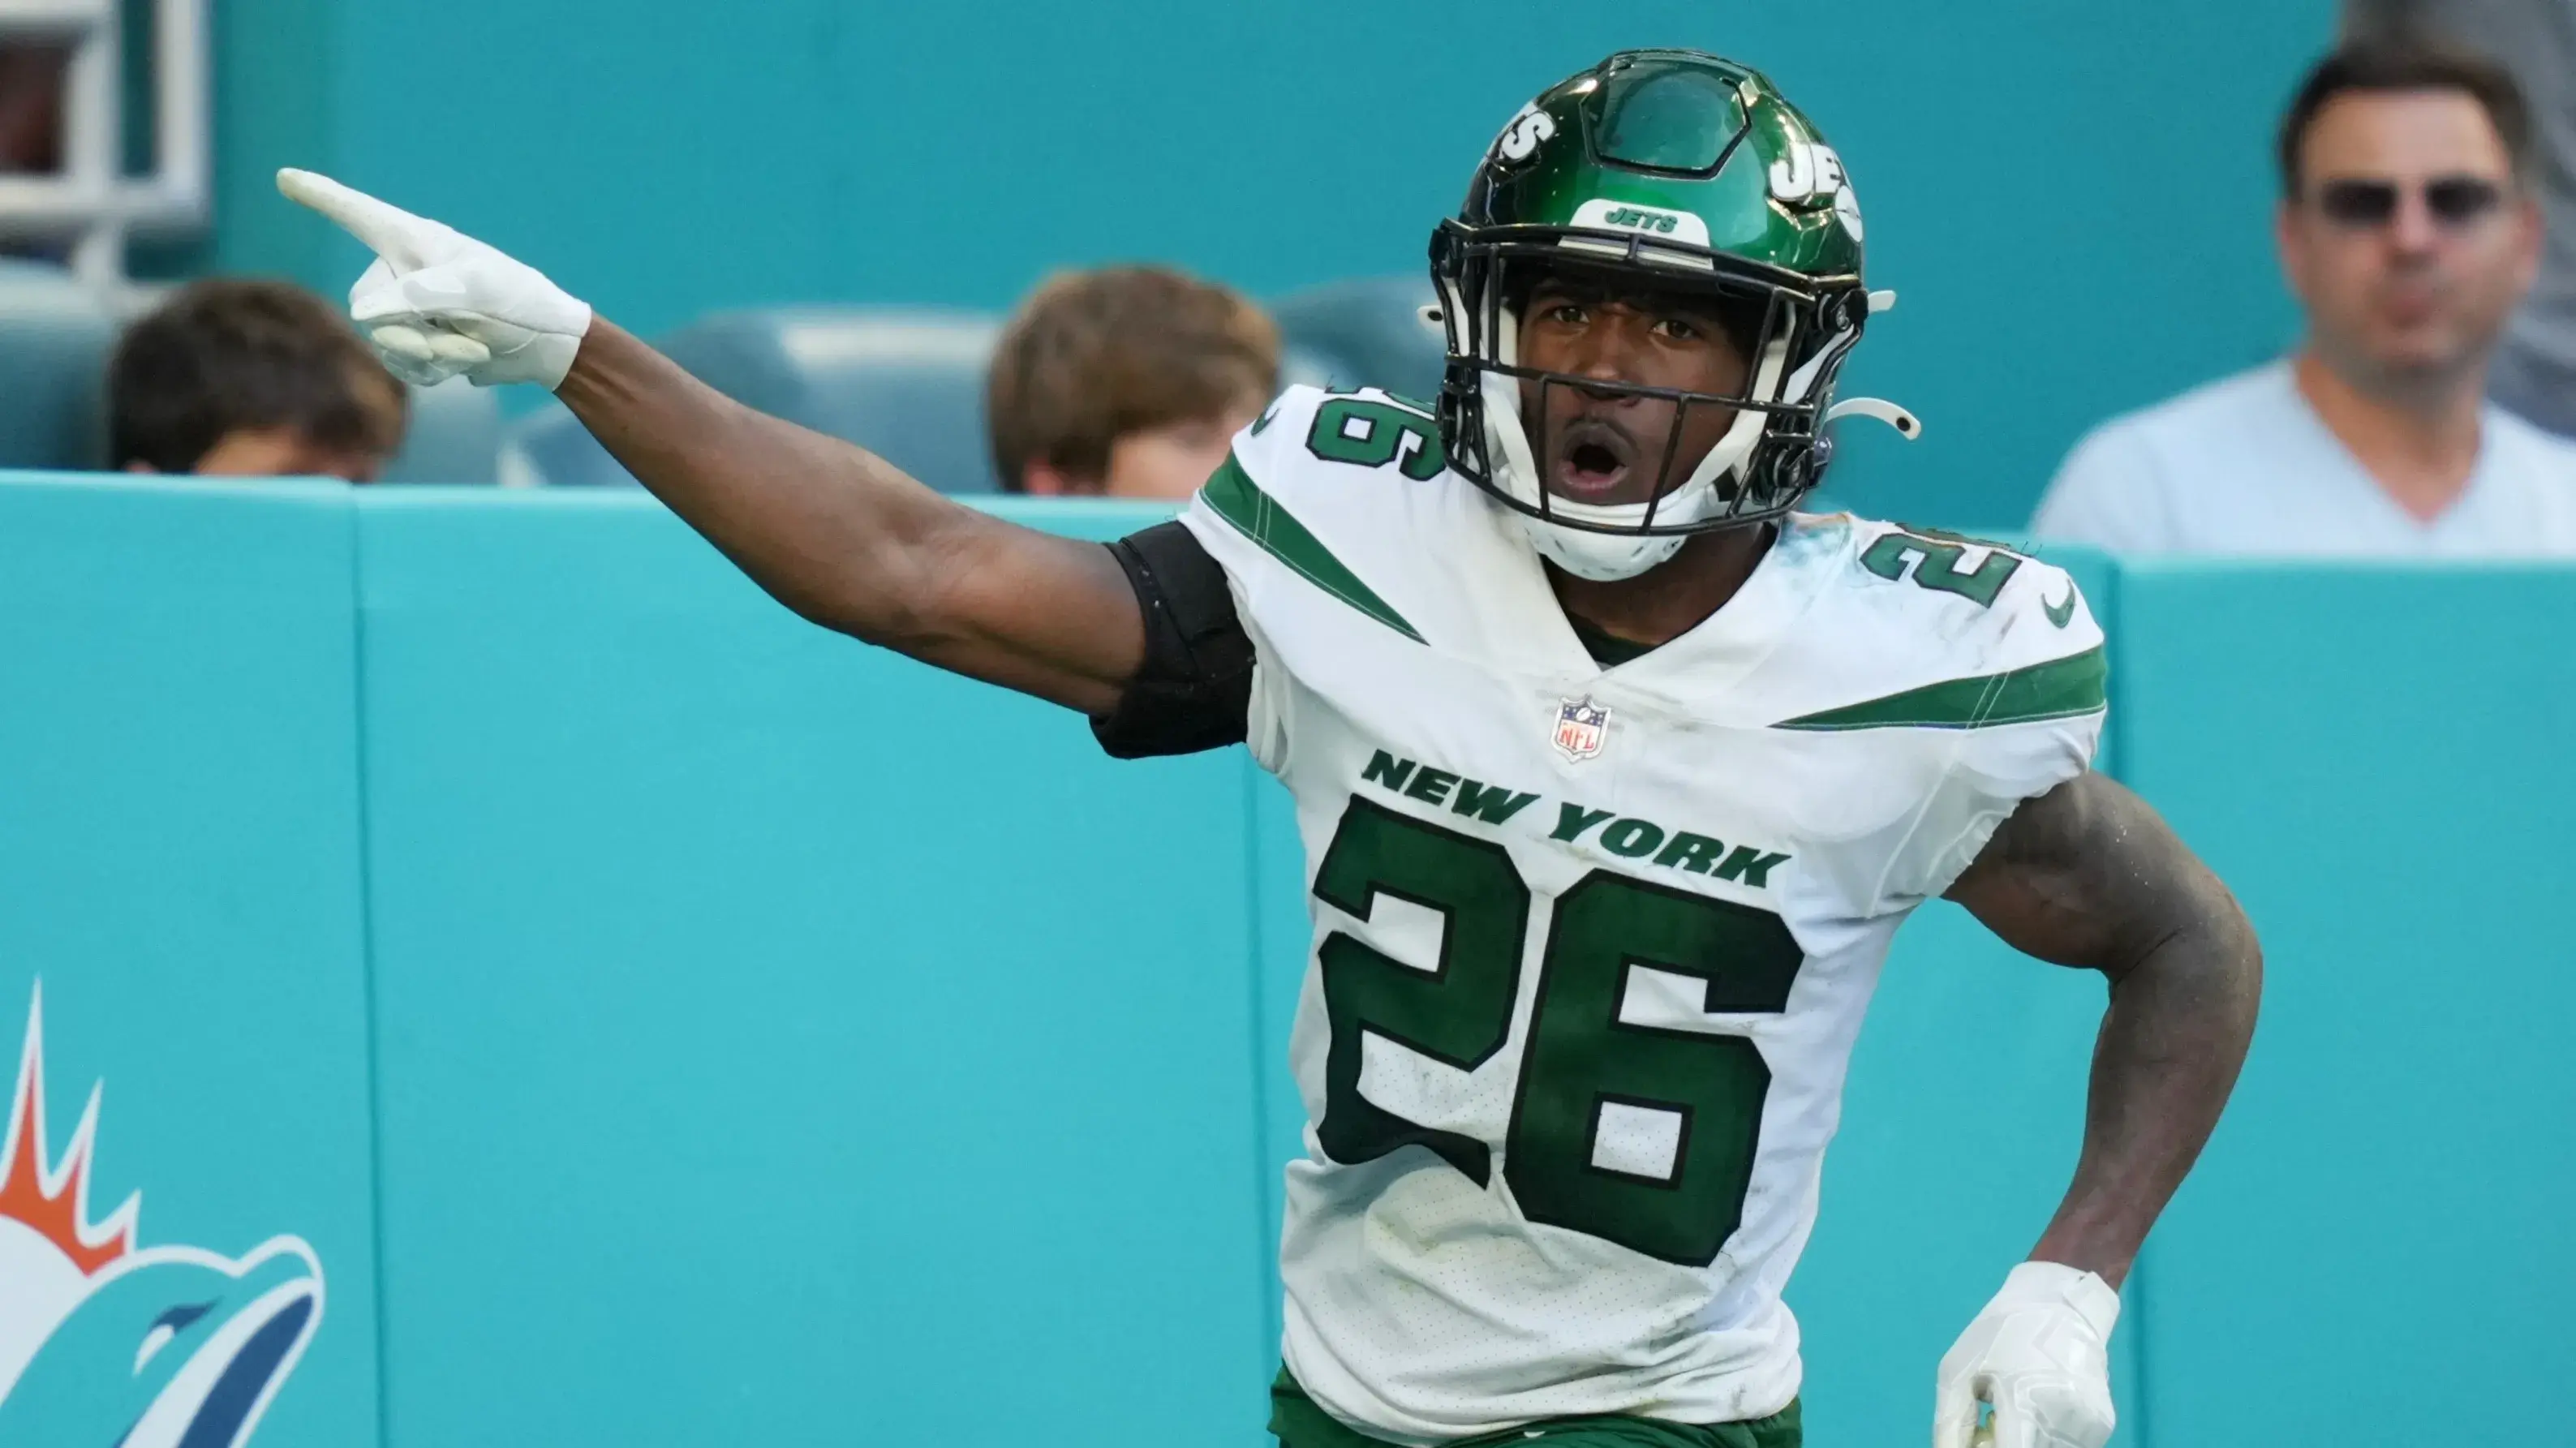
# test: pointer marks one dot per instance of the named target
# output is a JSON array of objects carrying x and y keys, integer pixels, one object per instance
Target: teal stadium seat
[
  {"x": 455, "y": 436},
  {"x": 1366, "y": 332},
  {"x": 906, "y": 383},
  {"x": 54, "y": 340}
]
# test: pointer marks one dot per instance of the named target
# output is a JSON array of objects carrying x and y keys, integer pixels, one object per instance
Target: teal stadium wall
[
  {"x": 2071, "y": 200},
  {"x": 179, "y": 869},
  {"x": 668, "y": 1023}
]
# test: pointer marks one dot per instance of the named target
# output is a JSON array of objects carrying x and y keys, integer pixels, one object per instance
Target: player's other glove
[
  {"x": 439, "y": 304},
  {"x": 2040, "y": 1355}
]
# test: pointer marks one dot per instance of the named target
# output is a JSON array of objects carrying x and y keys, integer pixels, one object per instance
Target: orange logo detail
[{"x": 52, "y": 1198}]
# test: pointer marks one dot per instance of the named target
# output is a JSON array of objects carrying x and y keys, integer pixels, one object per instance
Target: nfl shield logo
[{"x": 1580, "y": 725}]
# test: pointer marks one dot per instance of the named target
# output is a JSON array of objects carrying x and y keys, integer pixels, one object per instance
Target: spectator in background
[
  {"x": 242, "y": 378},
  {"x": 1127, "y": 382},
  {"x": 31, "y": 105},
  {"x": 31, "y": 124},
  {"x": 2535, "y": 40},
  {"x": 2408, "y": 231}
]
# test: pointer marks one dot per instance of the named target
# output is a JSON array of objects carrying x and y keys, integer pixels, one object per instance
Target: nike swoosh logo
[{"x": 2062, "y": 610}]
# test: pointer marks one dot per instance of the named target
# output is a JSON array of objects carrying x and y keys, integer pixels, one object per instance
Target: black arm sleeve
[{"x": 1195, "y": 689}]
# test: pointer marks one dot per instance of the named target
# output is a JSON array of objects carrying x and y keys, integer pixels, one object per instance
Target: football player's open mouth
[{"x": 1592, "y": 461}]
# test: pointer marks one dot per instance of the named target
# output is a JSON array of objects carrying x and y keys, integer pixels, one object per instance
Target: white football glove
[
  {"x": 437, "y": 303},
  {"x": 2040, "y": 1355}
]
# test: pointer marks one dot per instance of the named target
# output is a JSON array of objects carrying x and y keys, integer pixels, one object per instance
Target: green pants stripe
[{"x": 1297, "y": 1422}]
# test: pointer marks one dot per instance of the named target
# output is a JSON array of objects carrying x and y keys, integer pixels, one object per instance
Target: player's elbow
[
  {"x": 889, "y": 621},
  {"x": 2240, "y": 948},
  {"x": 2206, "y": 947},
  {"x": 2217, "y": 915},
  {"x": 898, "y": 594}
]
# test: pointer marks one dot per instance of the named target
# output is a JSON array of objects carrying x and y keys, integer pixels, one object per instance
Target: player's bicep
[
  {"x": 1031, "y": 611},
  {"x": 2088, "y": 875}
]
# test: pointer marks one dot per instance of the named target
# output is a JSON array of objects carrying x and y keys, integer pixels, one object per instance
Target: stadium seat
[
  {"x": 1368, "y": 331},
  {"x": 54, "y": 340},
  {"x": 1300, "y": 366},
  {"x": 905, "y": 383},
  {"x": 455, "y": 436}
]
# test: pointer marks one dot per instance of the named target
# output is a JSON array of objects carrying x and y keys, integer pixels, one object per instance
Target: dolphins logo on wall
[{"x": 106, "y": 1344}]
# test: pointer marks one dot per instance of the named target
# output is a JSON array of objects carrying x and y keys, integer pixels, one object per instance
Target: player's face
[
  {"x": 1611, "y": 447},
  {"x": 2410, "y": 241}
]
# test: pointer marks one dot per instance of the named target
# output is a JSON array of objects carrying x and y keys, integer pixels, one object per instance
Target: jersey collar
[{"x": 1712, "y": 655}]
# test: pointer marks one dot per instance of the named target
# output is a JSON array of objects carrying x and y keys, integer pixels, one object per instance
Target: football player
[{"x": 1616, "y": 774}]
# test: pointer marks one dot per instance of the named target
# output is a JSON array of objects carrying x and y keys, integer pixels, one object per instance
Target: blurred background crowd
[{"x": 2391, "y": 371}]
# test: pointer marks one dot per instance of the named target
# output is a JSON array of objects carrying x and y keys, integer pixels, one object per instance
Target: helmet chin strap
[
  {"x": 1605, "y": 556},
  {"x": 1743, "y": 435},
  {"x": 1600, "y": 557},
  {"x": 1505, "y": 439}
]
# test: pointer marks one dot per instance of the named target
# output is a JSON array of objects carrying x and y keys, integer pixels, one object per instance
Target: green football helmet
[{"x": 1671, "y": 171}]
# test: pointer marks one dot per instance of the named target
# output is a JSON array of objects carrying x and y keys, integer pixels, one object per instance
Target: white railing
[{"x": 90, "y": 204}]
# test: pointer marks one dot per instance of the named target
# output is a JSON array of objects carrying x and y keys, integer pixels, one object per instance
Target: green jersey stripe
[
  {"x": 1257, "y": 516},
  {"x": 2058, "y": 689}
]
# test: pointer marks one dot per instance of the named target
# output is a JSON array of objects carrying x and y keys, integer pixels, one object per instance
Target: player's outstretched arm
[
  {"x": 834, "y": 532},
  {"x": 2087, "y": 875},
  {"x": 844, "y": 538}
]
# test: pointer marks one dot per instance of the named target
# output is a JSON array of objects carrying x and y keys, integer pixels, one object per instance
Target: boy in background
[
  {"x": 246, "y": 378},
  {"x": 1126, "y": 382}
]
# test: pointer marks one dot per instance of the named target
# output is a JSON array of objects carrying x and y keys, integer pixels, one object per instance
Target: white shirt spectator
[{"x": 2244, "y": 465}]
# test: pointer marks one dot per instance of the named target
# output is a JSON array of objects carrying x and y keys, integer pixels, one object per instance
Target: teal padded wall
[
  {"x": 780, "y": 1039},
  {"x": 774, "y": 1038},
  {"x": 179, "y": 867},
  {"x": 2379, "y": 762},
  {"x": 2073, "y": 200}
]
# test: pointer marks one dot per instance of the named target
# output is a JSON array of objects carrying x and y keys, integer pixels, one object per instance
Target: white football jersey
[{"x": 1592, "y": 944}]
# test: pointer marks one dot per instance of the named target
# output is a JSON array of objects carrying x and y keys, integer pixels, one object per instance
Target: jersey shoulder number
[
  {"x": 1306, "y": 487},
  {"x": 1943, "y": 562},
  {"x": 1372, "y": 429},
  {"x": 1943, "y": 631},
  {"x": 1311, "y": 439}
]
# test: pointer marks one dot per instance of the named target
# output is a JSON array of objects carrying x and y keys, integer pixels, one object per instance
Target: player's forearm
[
  {"x": 2171, "y": 1045},
  {"x": 835, "y": 533},
  {"x": 846, "y": 539}
]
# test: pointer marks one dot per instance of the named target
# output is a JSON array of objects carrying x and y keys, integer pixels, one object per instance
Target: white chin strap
[{"x": 1605, "y": 556}]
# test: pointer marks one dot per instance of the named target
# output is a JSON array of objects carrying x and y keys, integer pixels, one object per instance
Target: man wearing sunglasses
[
  {"x": 2409, "y": 233},
  {"x": 2534, "y": 374}
]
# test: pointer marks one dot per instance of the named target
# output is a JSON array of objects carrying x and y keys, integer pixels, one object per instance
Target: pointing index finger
[{"x": 393, "y": 233}]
